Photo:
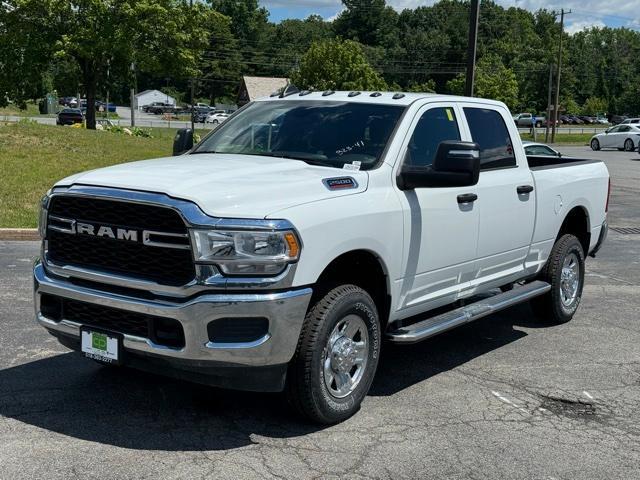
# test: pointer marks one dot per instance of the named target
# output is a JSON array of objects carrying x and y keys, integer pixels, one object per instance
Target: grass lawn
[
  {"x": 566, "y": 138},
  {"x": 33, "y": 157},
  {"x": 30, "y": 111}
]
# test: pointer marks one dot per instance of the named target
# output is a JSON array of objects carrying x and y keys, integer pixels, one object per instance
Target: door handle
[
  {"x": 467, "y": 198},
  {"x": 522, "y": 189}
]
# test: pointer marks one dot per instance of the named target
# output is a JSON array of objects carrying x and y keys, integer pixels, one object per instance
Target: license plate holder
[{"x": 101, "y": 345}]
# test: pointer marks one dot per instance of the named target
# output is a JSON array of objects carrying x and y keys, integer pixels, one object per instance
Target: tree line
[{"x": 180, "y": 46}]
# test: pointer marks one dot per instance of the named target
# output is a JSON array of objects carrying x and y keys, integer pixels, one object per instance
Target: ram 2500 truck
[{"x": 279, "y": 252}]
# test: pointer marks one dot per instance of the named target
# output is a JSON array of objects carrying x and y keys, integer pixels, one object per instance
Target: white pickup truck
[{"x": 280, "y": 251}]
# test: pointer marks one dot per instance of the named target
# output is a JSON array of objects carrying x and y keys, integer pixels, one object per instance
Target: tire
[
  {"x": 628, "y": 145},
  {"x": 215, "y": 122},
  {"x": 595, "y": 144},
  {"x": 564, "y": 270},
  {"x": 327, "y": 379},
  {"x": 538, "y": 124}
]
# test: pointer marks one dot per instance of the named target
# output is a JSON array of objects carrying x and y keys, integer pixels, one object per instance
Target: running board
[{"x": 440, "y": 323}]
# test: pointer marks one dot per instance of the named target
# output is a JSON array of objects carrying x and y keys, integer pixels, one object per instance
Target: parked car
[
  {"x": 602, "y": 119},
  {"x": 631, "y": 121},
  {"x": 158, "y": 108},
  {"x": 526, "y": 119},
  {"x": 216, "y": 118},
  {"x": 71, "y": 102},
  {"x": 617, "y": 119},
  {"x": 534, "y": 148},
  {"x": 587, "y": 119},
  {"x": 69, "y": 116},
  {"x": 282, "y": 252},
  {"x": 623, "y": 137}
]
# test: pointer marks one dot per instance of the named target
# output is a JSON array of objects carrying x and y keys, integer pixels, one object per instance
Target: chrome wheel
[
  {"x": 569, "y": 280},
  {"x": 628, "y": 145},
  {"x": 345, "y": 356}
]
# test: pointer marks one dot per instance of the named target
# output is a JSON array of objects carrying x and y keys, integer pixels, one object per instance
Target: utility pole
[
  {"x": 546, "y": 133},
  {"x": 193, "y": 108},
  {"x": 471, "y": 47},
  {"x": 556, "y": 106},
  {"x": 133, "y": 94}
]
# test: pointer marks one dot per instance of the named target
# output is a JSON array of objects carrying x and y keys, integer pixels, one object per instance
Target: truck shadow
[{"x": 70, "y": 395}]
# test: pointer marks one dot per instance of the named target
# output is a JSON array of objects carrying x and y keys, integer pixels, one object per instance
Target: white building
[{"x": 147, "y": 97}]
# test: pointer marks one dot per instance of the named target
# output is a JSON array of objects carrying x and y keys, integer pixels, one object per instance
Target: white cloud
[
  {"x": 576, "y": 27},
  {"x": 584, "y": 12}
]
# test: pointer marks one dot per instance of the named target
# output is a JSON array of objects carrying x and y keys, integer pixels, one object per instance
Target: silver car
[{"x": 623, "y": 137}]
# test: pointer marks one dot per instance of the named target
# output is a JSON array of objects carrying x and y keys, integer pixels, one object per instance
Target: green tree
[
  {"x": 157, "y": 36},
  {"x": 336, "y": 65},
  {"x": 492, "y": 80},
  {"x": 594, "y": 105},
  {"x": 370, "y": 22}
]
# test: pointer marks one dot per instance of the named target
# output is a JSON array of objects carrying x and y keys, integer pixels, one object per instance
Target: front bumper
[{"x": 284, "y": 310}]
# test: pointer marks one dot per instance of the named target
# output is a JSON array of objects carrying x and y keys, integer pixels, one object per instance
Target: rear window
[{"x": 490, "y": 132}]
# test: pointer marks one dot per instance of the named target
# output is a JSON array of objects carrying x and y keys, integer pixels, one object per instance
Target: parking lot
[{"x": 505, "y": 397}]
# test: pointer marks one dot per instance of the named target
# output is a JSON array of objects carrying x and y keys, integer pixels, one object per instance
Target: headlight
[
  {"x": 42, "y": 218},
  {"x": 246, "y": 252}
]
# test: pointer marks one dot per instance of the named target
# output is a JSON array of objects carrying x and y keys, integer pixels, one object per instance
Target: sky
[{"x": 585, "y": 13}]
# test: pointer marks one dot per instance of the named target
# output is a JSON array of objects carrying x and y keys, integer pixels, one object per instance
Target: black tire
[
  {"x": 306, "y": 389},
  {"x": 595, "y": 144},
  {"x": 538, "y": 124},
  {"x": 553, "y": 306},
  {"x": 628, "y": 145}
]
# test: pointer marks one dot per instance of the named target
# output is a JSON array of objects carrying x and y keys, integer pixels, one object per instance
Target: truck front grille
[{"x": 164, "y": 265}]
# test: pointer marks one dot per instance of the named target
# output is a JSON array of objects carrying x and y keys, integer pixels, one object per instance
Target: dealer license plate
[{"x": 100, "y": 346}]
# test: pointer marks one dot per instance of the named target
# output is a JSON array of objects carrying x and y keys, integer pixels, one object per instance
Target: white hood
[{"x": 226, "y": 185}]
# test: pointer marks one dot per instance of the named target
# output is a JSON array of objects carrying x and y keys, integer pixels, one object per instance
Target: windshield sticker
[
  {"x": 352, "y": 166},
  {"x": 340, "y": 183},
  {"x": 449, "y": 114},
  {"x": 347, "y": 149}
]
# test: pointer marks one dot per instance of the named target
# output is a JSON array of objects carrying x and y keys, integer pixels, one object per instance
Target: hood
[{"x": 227, "y": 185}]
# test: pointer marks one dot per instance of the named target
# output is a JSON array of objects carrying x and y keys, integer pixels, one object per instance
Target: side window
[
  {"x": 490, "y": 132},
  {"x": 624, "y": 128},
  {"x": 435, "y": 125}
]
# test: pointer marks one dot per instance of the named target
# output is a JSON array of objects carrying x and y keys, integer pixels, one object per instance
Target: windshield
[{"x": 323, "y": 133}]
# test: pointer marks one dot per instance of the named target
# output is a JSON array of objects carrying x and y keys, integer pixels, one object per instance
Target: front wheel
[
  {"x": 628, "y": 145},
  {"x": 564, "y": 271},
  {"x": 337, "y": 356},
  {"x": 595, "y": 144}
]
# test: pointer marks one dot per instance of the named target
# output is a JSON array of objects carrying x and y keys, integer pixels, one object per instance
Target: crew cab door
[
  {"x": 506, "y": 197},
  {"x": 440, "y": 232}
]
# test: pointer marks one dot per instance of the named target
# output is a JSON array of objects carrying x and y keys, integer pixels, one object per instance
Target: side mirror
[
  {"x": 456, "y": 164},
  {"x": 183, "y": 141},
  {"x": 607, "y": 130}
]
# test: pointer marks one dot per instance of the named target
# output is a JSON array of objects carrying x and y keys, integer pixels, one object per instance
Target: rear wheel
[
  {"x": 564, "y": 271},
  {"x": 628, "y": 145},
  {"x": 595, "y": 144},
  {"x": 337, "y": 356}
]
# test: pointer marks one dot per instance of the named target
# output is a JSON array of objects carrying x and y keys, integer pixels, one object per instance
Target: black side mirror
[
  {"x": 183, "y": 141},
  {"x": 456, "y": 164}
]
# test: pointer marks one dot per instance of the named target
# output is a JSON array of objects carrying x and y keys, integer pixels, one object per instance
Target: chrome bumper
[{"x": 284, "y": 310}]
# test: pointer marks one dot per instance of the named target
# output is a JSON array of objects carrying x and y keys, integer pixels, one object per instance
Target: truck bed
[{"x": 537, "y": 162}]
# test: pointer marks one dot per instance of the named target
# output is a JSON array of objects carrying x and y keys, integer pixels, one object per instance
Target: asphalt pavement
[{"x": 507, "y": 397}]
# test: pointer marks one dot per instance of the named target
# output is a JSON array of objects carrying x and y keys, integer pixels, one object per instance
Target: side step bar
[{"x": 440, "y": 323}]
